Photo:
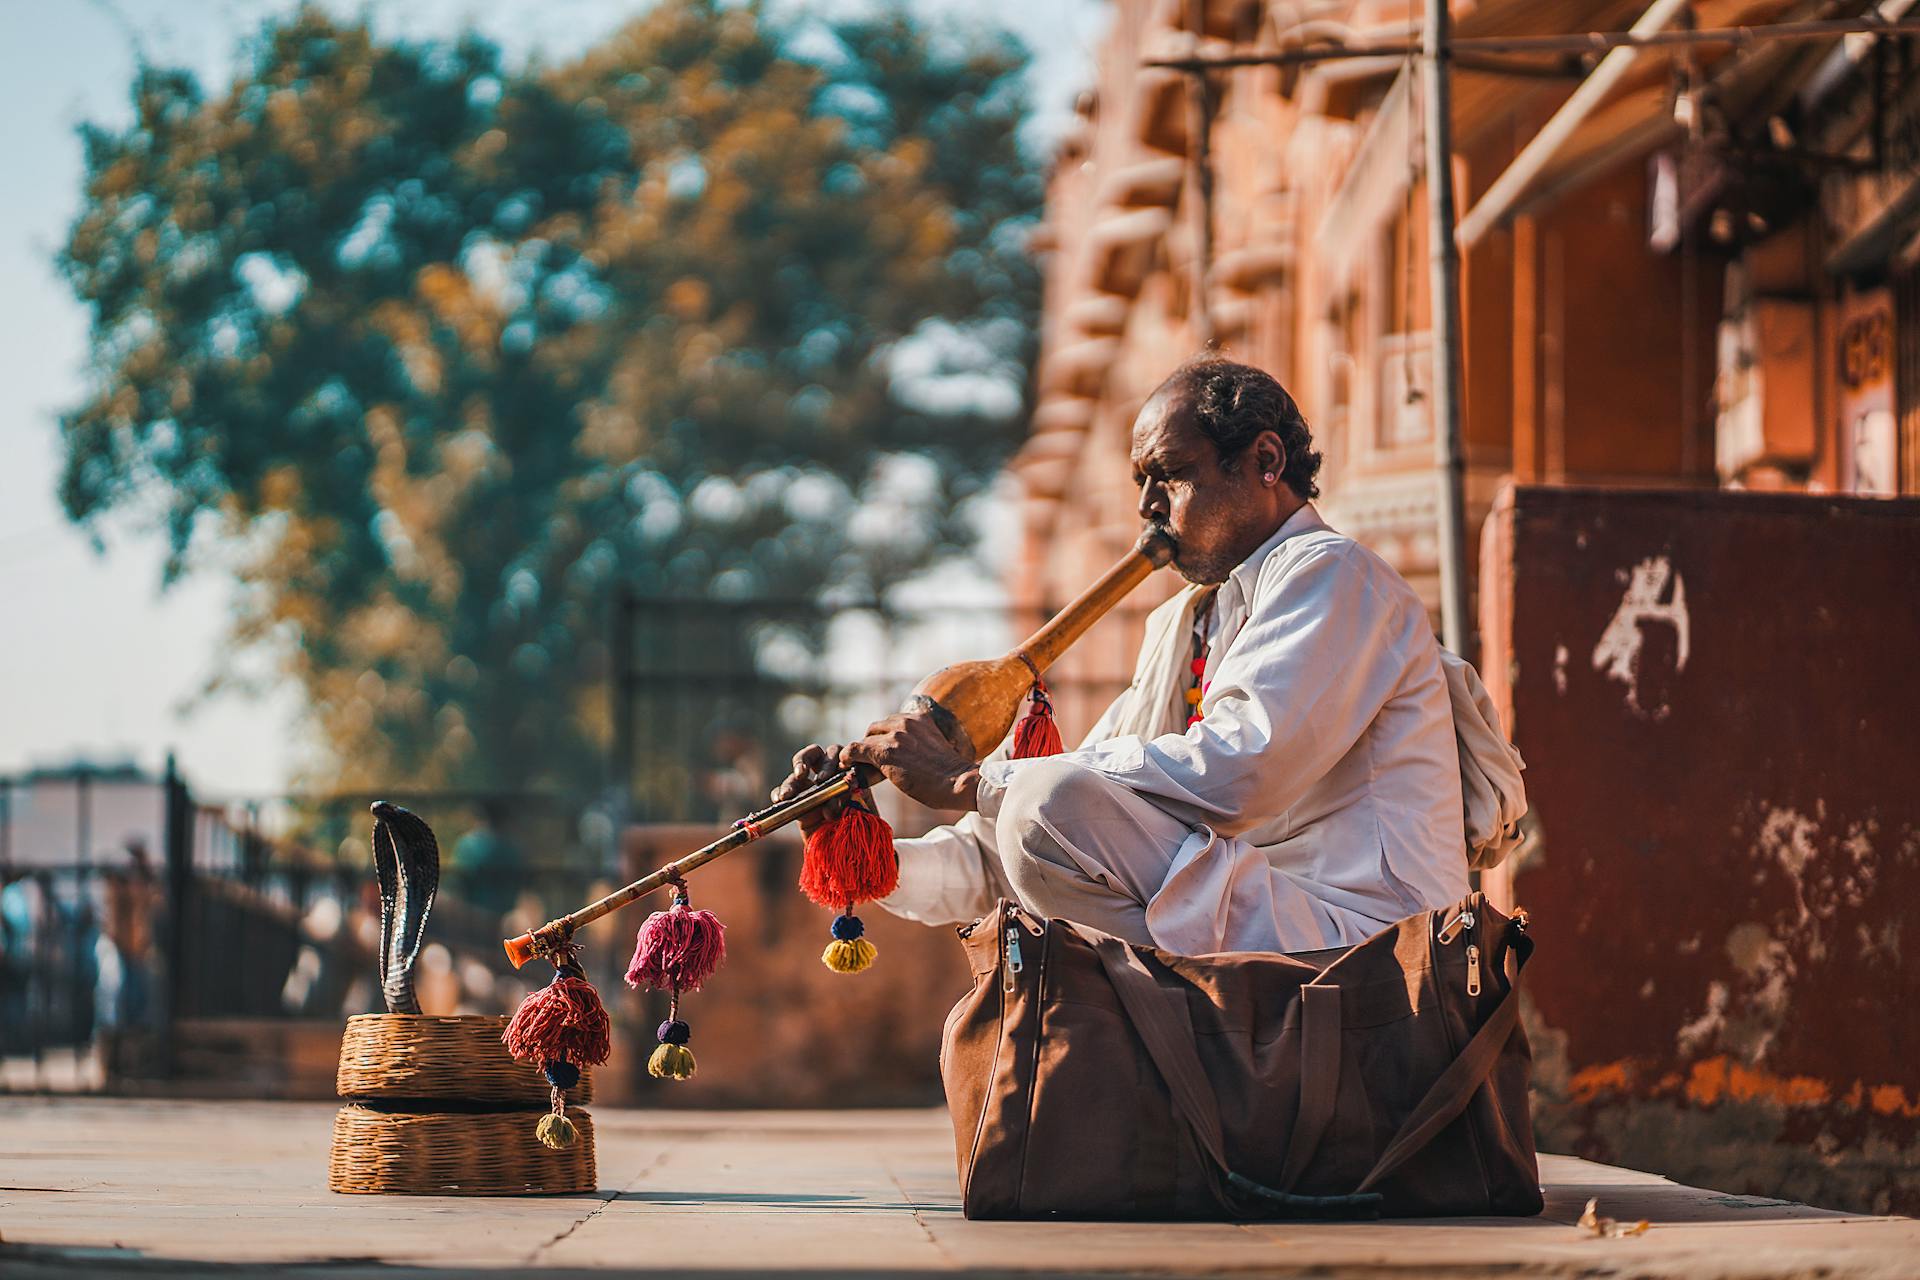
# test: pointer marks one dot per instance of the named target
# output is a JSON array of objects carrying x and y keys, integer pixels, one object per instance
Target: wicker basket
[
  {"x": 442, "y": 1110},
  {"x": 455, "y": 1154},
  {"x": 416, "y": 1055}
]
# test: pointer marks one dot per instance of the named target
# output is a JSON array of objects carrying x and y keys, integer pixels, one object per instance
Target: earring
[{"x": 1268, "y": 477}]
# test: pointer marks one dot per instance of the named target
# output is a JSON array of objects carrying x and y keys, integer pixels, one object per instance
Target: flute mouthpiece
[
  {"x": 1156, "y": 544},
  {"x": 519, "y": 950}
]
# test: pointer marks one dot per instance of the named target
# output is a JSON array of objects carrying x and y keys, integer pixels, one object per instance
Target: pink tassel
[
  {"x": 677, "y": 949},
  {"x": 1038, "y": 733}
]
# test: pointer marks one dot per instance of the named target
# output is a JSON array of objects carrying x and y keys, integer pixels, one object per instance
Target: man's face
[{"x": 1216, "y": 517}]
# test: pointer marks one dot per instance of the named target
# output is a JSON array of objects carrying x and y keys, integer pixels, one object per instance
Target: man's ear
[{"x": 1269, "y": 455}]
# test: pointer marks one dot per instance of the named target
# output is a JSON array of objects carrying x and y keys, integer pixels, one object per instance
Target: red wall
[{"x": 1727, "y": 830}]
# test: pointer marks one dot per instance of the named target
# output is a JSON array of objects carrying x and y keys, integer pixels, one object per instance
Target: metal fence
[{"x": 133, "y": 913}]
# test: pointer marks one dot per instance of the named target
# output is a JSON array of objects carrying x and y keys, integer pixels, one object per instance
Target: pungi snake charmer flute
[
  {"x": 848, "y": 859},
  {"x": 973, "y": 703}
]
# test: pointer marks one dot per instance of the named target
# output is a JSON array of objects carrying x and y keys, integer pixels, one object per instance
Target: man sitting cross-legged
[{"x": 1282, "y": 773}]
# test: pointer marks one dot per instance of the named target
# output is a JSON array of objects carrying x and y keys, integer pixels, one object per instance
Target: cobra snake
[{"x": 406, "y": 859}]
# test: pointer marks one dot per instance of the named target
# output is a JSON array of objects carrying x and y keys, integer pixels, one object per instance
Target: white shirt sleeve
[
  {"x": 1319, "y": 656},
  {"x": 952, "y": 874}
]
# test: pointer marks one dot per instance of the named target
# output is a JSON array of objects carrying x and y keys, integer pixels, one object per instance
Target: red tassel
[
  {"x": 1038, "y": 733},
  {"x": 562, "y": 1020},
  {"x": 850, "y": 858},
  {"x": 677, "y": 949}
]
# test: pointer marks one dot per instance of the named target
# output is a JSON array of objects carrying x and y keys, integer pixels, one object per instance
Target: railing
[{"x": 261, "y": 909}]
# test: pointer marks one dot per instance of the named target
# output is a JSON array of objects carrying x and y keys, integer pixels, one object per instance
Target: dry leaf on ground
[{"x": 1608, "y": 1228}]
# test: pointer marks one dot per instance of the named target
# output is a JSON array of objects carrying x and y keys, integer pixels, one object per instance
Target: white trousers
[{"x": 1075, "y": 845}]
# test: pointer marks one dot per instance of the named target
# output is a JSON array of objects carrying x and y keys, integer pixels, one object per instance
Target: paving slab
[{"x": 118, "y": 1186}]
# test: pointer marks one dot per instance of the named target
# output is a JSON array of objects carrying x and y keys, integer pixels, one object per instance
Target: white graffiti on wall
[{"x": 1617, "y": 656}]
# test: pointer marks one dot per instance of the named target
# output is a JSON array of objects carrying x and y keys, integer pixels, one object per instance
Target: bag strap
[
  {"x": 1159, "y": 1016},
  {"x": 1462, "y": 1079},
  {"x": 1319, "y": 1078},
  {"x": 1167, "y": 1033}
]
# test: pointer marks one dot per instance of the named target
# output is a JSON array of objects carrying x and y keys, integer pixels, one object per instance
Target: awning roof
[
  {"x": 1633, "y": 120},
  {"x": 1637, "y": 116}
]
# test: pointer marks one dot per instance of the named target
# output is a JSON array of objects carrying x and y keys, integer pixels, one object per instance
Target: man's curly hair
[{"x": 1233, "y": 403}]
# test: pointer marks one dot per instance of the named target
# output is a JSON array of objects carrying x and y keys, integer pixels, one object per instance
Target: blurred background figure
[
  {"x": 132, "y": 905},
  {"x": 489, "y": 869}
]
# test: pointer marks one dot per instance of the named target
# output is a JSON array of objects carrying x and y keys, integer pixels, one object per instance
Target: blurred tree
[{"x": 732, "y": 306}]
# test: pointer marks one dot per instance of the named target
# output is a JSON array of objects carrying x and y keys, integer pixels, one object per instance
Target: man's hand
[
  {"x": 917, "y": 758},
  {"x": 810, "y": 765}
]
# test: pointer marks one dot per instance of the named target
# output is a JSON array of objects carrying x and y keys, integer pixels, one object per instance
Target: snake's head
[{"x": 386, "y": 812}]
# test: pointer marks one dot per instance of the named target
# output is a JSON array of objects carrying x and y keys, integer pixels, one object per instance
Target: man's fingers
[
  {"x": 891, "y": 724},
  {"x": 872, "y": 750},
  {"x": 809, "y": 763}
]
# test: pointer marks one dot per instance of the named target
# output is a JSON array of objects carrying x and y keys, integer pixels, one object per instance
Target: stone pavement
[{"x": 100, "y": 1186}]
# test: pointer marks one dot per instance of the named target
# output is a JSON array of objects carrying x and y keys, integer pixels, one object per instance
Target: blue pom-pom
[
  {"x": 847, "y": 928},
  {"x": 560, "y": 1073},
  {"x": 674, "y": 1031}
]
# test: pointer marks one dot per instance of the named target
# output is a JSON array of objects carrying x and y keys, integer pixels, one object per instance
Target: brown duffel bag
[{"x": 1090, "y": 1078}]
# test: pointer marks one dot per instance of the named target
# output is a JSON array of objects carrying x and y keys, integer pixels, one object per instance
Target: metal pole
[
  {"x": 177, "y": 832},
  {"x": 620, "y": 692},
  {"x": 85, "y": 994},
  {"x": 1443, "y": 261},
  {"x": 83, "y": 816},
  {"x": 1200, "y": 170}
]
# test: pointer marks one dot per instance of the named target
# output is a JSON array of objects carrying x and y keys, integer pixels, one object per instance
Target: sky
[{"x": 96, "y": 661}]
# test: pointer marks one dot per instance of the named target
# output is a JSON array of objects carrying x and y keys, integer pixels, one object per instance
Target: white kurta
[{"x": 1320, "y": 790}]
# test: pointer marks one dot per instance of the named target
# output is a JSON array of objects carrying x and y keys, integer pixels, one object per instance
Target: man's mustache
[{"x": 1165, "y": 531}]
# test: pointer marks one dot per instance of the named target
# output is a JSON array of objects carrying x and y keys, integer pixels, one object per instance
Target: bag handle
[
  {"x": 1159, "y": 1016},
  {"x": 1319, "y": 1078},
  {"x": 1168, "y": 1035}
]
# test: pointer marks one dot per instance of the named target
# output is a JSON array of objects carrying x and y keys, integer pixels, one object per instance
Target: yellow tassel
[
  {"x": 671, "y": 1062},
  {"x": 850, "y": 956},
  {"x": 556, "y": 1131}
]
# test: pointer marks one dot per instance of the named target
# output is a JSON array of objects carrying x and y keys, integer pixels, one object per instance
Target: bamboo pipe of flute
[
  {"x": 973, "y": 703},
  {"x": 550, "y": 937}
]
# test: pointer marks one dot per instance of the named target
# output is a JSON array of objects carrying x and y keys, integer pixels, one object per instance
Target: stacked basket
[{"x": 436, "y": 1107}]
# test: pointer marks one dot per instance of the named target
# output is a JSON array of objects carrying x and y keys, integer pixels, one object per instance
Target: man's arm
[
  {"x": 1318, "y": 658},
  {"x": 952, "y": 874}
]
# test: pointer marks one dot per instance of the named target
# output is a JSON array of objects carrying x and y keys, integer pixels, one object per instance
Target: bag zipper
[
  {"x": 1016, "y": 964},
  {"x": 1464, "y": 922},
  {"x": 993, "y": 1072},
  {"x": 1464, "y": 919}
]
